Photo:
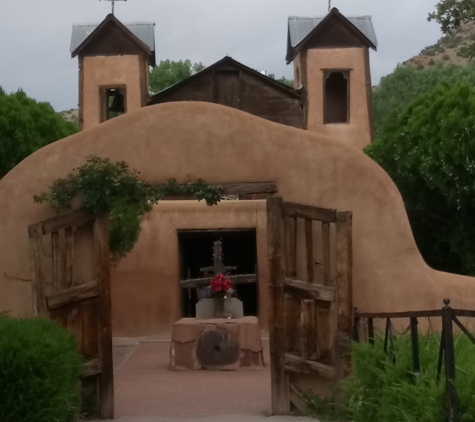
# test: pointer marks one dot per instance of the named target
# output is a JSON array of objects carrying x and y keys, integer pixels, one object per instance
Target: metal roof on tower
[
  {"x": 144, "y": 31},
  {"x": 300, "y": 27}
]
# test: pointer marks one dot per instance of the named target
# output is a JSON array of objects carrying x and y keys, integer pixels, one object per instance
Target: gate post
[{"x": 279, "y": 380}]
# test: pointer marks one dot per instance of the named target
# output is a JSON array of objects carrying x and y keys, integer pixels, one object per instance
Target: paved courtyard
[{"x": 146, "y": 391}]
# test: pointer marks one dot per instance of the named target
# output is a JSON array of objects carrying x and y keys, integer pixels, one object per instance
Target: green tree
[
  {"x": 450, "y": 14},
  {"x": 169, "y": 73},
  {"x": 429, "y": 151},
  {"x": 283, "y": 80},
  {"x": 26, "y": 126},
  {"x": 397, "y": 90}
]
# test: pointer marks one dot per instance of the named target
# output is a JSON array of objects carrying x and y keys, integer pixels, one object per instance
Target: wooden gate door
[
  {"x": 83, "y": 307},
  {"x": 310, "y": 323}
]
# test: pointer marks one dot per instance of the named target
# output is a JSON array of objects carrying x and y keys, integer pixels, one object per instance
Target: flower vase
[{"x": 219, "y": 307}]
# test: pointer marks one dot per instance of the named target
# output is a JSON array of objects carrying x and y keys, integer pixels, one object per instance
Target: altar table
[{"x": 219, "y": 344}]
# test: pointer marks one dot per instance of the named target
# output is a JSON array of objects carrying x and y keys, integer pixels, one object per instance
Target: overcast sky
[{"x": 35, "y": 35}]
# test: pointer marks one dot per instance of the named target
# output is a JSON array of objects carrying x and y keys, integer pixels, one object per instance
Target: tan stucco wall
[
  {"x": 145, "y": 292},
  {"x": 109, "y": 71},
  {"x": 223, "y": 145},
  {"x": 357, "y": 132}
]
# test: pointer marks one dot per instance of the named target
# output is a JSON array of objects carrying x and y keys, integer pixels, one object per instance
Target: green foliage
[
  {"x": 169, "y": 73},
  {"x": 397, "y": 90},
  {"x": 429, "y": 151},
  {"x": 104, "y": 186},
  {"x": 25, "y": 126},
  {"x": 445, "y": 57},
  {"x": 39, "y": 372},
  {"x": 431, "y": 62},
  {"x": 386, "y": 390},
  {"x": 283, "y": 80}
]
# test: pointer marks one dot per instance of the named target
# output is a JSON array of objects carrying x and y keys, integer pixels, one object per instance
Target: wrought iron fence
[{"x": 449, "y": 317}]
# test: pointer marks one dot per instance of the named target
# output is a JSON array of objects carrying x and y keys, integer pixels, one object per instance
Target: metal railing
[{"x": 449, "y": 317}]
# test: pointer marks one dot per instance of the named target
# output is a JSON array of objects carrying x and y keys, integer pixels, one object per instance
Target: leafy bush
[
  {"x": 445, "y": 57},
  {"x": 104, "y": 186},
  {"x": 385, "y": 390},
  {"x": 431, "y": 62},
  {"x": 39, "y": 372}
]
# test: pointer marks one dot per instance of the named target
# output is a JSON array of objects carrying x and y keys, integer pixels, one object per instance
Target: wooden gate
[
  {"x": 310, "y": 323},
  {"x": 83, "y": 307}
]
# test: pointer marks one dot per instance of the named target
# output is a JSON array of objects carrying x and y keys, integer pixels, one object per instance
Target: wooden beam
[
  {"x": 246, "y": 188},
  {"x": 72, "y": 295},
  {"x": 305, "y": 290},
  {"x": 296, "y": 398},
  {"x": 291, "y": 247},
  {"x": 280, "y": 402},
  {"x": 344, "y": 300},
  {"x": 310, "y": 212},
  {"x": 309, "y": 250},
  {"x": 101, "y": 249},
  {"x": 35, "y": 234},
  {"x": 309, "y": 331},
  {"x": 326, "y": 253},
  {"x": 91, "y": 368},
  {"x": 56, "y": 253},
  {"x": 73, "y": 218},
  {"x": 68, "y": 265},
  {"x": 408, "y": 314},
  {"x": 310, "y": 367},
  {"x": 205, "y": 281}
]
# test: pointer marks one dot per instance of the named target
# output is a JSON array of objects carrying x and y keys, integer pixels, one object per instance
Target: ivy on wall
[{"x": 112, "y": 187}]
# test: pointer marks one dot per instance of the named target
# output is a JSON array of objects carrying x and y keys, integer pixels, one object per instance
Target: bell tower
[
  {"x": 331, "y": 67},
  {"x": 114, "y": 61}
]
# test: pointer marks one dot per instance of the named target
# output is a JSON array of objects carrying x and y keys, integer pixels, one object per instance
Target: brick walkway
[{"x": 145, "y": 388}]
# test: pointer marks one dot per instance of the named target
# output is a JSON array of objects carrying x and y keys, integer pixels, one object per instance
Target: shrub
[
  {"x": 431, "y": 62},
  {"x": 445, "y": 57},
  {"x": 39, "y": 372}
]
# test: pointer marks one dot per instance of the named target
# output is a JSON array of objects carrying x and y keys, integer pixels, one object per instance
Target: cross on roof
[
  {"x": 329, "y": 6},
  {"x": 113, "y": 3}
]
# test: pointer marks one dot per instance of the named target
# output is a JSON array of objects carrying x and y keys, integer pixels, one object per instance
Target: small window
[
  {"x": 113, "y": 102},
  {"x": 336, "y": 97}
]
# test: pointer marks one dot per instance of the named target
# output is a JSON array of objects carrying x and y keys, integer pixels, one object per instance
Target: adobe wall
[
  {"x": 357, "y": 132},
  {"x": 146, "y": 296},
  {"x": 223, "y": 145},
  {"x": 109, "y": 71}
]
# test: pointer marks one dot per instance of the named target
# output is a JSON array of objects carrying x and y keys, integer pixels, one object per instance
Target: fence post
[
  {"x": 416, "y": 364},
  {"x": 356, "y": 325},
  {"x": 371, "y": 331},
  {"x": 449, "y": 353}
]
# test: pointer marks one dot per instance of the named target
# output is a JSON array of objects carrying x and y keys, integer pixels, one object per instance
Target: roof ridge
[
  {"x": 125, "y": 24},
  {"x": 322, "y": 17}
]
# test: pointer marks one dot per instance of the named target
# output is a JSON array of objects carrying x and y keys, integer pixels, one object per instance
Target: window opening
[
  {"x": 113, "y": 102},
  {"x": 336, "y": 97}
]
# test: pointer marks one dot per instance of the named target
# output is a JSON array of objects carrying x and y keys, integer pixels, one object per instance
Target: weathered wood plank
[
  {"x": 326, "y": 253},
  {"x": 56, "y": 253},
  {"x": 291, "y": 247},
  {"x": 408, "y": 314},
  {"x": 310, "y": 367},
  {"x": 66, "y": 220},
  {"x": 205, "y": 281},
  {"x": 306, "y": 290},
  {"x": 91, "y": 368},
  {"x": 280, "y": 402},
  {"x": 308, "y": 322},
  {"x": 72, "y": 295},
  {"x": 296, "y": 398},
  {"x": 246, "y": 188},
  {"x": 309, "y": 250},
  {"x": 344, "y": 301},
  {"x": 35, "y": 233},
  {"x": 101, "y": 248},
  {"x": 309, "y": 212},
  {"x": 69, "y": 257}
]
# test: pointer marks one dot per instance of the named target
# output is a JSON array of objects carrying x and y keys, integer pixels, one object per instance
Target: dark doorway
[
  {"x": 336, "y": 106},
  {"x": 239, "y": 250}
]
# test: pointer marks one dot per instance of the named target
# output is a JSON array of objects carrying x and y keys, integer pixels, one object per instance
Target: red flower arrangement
[{"x": 221, "y": 286}]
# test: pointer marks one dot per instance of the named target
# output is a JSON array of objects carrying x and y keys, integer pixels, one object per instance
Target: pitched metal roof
[
  {"x": 144, "y": 31},
  {"x": 300, "y": 27}
]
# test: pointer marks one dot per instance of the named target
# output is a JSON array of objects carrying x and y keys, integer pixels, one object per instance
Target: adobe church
[{"x": 229, "y": 125}]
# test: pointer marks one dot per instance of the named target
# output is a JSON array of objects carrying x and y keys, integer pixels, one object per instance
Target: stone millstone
[{"x": 216, "y": 348}]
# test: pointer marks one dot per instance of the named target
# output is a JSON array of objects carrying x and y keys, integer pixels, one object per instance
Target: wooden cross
[
  {"x": 113, "y": 3},
  {"x": 329, "y": 6},
  {"x": 218, "y": 267}
]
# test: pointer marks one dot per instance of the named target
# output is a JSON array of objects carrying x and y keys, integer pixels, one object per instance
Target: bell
[{"x": 117, "y": 104}]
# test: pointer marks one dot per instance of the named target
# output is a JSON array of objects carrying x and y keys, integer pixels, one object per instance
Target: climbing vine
[{"x": 112, "y": 187}]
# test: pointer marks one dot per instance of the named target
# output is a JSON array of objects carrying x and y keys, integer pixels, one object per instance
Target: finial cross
[
  {"x": 329, "y": 6},
  {"x": 113, "y": 4},
  {"x": 218, "y": 264}
]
